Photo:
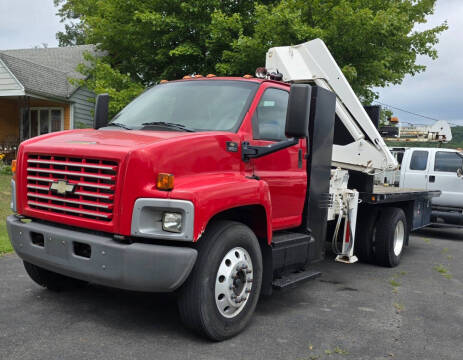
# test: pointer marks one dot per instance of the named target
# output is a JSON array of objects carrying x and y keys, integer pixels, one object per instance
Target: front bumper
[{"x": 139, "y": 267}]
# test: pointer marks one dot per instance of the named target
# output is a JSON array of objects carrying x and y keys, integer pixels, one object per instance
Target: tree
[{"x": 373, "y": 41}]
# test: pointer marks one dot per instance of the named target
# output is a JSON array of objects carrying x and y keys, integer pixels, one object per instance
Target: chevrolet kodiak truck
[{"x": 218, "y": 189}]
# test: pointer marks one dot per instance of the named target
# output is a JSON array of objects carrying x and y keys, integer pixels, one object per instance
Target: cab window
[
  {"x": 269, "y": 119},
  {"x": 419, "y": 160},
  {"x": 447, "y": 161}
]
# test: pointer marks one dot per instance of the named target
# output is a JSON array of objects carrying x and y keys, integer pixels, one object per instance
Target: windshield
[{"x": 198, "y": 105}]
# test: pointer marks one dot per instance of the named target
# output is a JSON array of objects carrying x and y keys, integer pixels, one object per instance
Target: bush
[{"x": 4, "y": 168}]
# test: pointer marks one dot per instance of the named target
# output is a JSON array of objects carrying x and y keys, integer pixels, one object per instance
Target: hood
[
  {"x": 89, "y": 138},
  {"x": 110, "y": 144}
]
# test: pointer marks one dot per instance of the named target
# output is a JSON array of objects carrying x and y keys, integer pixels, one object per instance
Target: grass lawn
[{"x": 5, "y": 198}]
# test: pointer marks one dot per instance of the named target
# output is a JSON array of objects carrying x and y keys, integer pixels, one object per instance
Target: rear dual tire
[
  {"x": 381, "y": 235},
  {"x": 390, "y": 237}
]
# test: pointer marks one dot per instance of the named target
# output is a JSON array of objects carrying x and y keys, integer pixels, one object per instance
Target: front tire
[
  {"x": 220, "y": 296},
  {"x": 390, "y": 237}
]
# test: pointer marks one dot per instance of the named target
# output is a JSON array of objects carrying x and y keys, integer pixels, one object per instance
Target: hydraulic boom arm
[{"x": 312, "y": 62}]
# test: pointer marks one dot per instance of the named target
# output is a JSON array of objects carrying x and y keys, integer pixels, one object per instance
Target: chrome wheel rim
[
  {"x": 399, "y": 236},
  {"x": 233, "y": 283}
]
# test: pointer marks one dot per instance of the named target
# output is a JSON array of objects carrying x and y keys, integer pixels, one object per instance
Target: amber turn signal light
[
  {"x": 13, "y": 166},
  {"x": 165, "y": 181}
]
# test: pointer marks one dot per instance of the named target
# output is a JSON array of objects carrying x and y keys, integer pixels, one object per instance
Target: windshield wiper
[
  {"x": 169, "y": 125},
  {"x": 119, "y": 125}
]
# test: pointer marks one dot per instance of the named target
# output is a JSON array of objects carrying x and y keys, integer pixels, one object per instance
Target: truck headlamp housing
[{"x": 172, "y": 222}]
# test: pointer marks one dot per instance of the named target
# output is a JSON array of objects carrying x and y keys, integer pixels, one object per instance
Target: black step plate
[{"x": 294, "y": 279}]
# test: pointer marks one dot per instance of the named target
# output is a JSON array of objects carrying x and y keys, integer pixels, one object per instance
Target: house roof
[{"x": 46, "y": 71}]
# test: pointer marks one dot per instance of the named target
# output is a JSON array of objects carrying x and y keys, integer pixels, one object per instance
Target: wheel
[
  {"x": 51, "y": 280},
  {"x": 390, "y": 237},
  {"x": 221, "y": 294},
  {"x": 366, "y": 222}
]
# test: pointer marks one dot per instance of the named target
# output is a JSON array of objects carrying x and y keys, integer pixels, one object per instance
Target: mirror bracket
[{"x": 249, "y": 151}]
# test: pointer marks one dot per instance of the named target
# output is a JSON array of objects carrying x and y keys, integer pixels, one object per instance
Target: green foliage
[
  {"x": 374, "y": 41},
  {"x": 384, "y": 116},
  {"x": 5, "y": 197},
  {"x": 102, "y": 78},
  {"x": 4, "y": 168}
]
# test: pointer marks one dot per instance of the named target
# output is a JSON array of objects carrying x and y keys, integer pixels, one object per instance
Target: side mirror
[
  {"x": 100, "y": 118},
  {"x": 460, "y": 172},
  {"x": 298, "y": 114}
]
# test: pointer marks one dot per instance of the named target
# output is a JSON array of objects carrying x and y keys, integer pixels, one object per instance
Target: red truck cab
[{"x": 174, "y": 194}]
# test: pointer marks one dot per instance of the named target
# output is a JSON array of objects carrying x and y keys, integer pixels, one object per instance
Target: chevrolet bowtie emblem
[{"x": 62, "y": 187}]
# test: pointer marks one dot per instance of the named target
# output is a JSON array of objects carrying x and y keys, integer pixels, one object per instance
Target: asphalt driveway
[{"x": 356, "y": 311}]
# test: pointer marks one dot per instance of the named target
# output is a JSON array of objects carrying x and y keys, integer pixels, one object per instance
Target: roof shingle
[{"x": 46, "y": 71}]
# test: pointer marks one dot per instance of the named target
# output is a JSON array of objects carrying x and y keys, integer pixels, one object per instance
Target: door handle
[{"x": 432, "y": 178}]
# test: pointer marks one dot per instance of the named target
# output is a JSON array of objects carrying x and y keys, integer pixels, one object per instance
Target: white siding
[
  {"x": 83, "y": 107},
  {"x": 8, "y": 83}
]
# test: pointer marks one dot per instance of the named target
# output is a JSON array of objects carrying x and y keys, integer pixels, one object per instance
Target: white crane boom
[
  {"x": 312, "y": 62},
  {"x": 440, "y": 131}
]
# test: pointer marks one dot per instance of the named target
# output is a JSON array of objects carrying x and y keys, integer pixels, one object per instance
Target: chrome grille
[{"x": 93, "y": 183}]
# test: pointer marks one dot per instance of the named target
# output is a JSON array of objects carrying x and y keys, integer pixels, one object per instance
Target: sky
[{"x": 436, "y": 93}]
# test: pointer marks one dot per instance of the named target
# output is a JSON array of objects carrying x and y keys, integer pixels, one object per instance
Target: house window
[{"x": 43, "y": 121}]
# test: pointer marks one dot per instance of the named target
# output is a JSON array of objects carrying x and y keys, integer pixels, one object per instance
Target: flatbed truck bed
[{"x": 390, "y": 194}]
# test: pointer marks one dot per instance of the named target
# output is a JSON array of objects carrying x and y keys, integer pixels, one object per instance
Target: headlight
[{"x": 172, "y": 222}]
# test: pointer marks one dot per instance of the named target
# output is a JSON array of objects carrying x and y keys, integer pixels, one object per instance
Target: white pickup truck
[{"x": 431, "y": 169}]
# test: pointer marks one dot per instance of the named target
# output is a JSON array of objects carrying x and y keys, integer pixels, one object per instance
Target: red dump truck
[{"x": 218, "y": 189}]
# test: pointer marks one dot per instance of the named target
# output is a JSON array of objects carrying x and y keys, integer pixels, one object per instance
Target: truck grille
[{"x": 72, "y": 186}]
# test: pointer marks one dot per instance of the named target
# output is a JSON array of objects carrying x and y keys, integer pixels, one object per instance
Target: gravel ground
[{"x": 352, "y": 312}]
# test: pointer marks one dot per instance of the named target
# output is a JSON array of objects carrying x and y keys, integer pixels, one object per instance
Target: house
[{"x": 36, "y": 96}]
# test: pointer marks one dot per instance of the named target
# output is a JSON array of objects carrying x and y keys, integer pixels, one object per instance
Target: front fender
[{"x": 214, "y": 193}]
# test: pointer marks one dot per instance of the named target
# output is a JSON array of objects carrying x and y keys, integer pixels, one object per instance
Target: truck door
[
  {"x": 416, "y": 173},
  {"x": 443, "y": 176},
  {"x": 284, "y": 170}
]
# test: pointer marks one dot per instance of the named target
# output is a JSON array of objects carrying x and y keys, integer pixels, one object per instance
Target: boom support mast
[{"x": 312, "y": 62}]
